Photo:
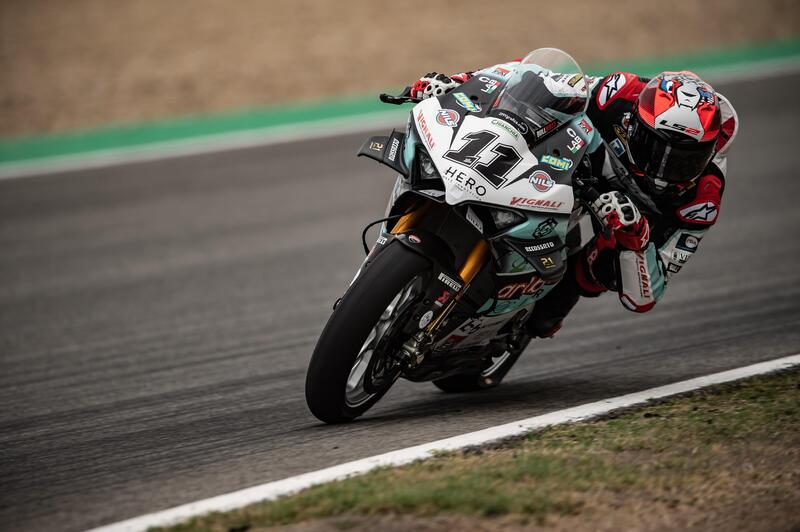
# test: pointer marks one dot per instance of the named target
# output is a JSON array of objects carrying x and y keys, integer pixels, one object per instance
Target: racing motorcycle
[{"x": 492, "y": 177}]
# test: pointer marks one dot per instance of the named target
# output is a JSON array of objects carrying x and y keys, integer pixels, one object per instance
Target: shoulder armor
[
  {"x": 617, "y": 85},
  {"x": 703, "y": 209}
]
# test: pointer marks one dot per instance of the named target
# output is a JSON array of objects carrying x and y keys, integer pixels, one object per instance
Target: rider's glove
[
  {"x": 629, "y": 229},
  {"x": 432, "y": 84}
]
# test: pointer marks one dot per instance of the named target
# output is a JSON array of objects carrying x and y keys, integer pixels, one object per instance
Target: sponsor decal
[
  {"x": 425, "y": 319},
  {"x": 381, "y": 240},
  {"x": 425, "y": 132},
  {"x": 620, "y": 132},
  {"x": 466, "y": 182},
  {"x": 547, "y": 262},
  {"x": 680, "y": 256},
  {"x": 506, "y": 127},
  {"x": 521, "y": 126},
  {"x": 376, "y": 146},
  {"x": 688, "y": 242},
  {"x": 545, "y": 129},
  {"x": 680, "y": 127},
  {"x": 540, "y": 247},
  {"x": 702, "y": 213},
  {"x": 617, "y": 147},
  {"x": 585, "y": 126},
  {"x": 464, "y": 101},
  {"x": 414, "y": 239},
  {"x": 515, "y": 290},
  {"x": 673, "y": 268},
  {"x": 609, "y": 88},
  {"x": 644, "y": 275},
  {"x": 517, "y": 201},
  {"x": 448, "y": 281},
  {"x": 442, "y": 299},
  {"x": 541, "y": 181},
  {"x": 577, "y": 142},
  {"x": 474, "y": 220},
  {"x": 490, "y": 85},
  {"x": 545, "y": 228},
  {"x": 393, "y": 150},
  {"x": 500, "y": 71},
  {"x": 557, "y": 163},
  {"x": 471, "y": 326},
  {"x": 574, "y": 80},
  {"x": 448, "y": 117}
]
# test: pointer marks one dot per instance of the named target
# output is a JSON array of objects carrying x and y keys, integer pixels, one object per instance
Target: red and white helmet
[{"x": 673, "y": 130}]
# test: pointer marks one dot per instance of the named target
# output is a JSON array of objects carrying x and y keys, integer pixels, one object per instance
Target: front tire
[{"x": 351, "y": 369}]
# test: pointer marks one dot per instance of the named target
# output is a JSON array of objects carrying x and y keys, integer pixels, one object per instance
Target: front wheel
[{"x": 352, "y": 366}]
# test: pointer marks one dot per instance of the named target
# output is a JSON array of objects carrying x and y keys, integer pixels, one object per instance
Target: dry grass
[
  {"x": 722, "y": 459},
  {"x": 91, "y": 62}
]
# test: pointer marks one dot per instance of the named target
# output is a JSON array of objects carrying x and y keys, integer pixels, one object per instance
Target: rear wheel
[{"x": 352, "y": 366}]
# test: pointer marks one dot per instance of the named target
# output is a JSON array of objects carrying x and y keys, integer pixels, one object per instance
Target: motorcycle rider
[{"x": 660, "y": 170}]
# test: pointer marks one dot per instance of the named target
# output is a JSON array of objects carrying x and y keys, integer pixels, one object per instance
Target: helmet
[{"x": 673, "y": 130}]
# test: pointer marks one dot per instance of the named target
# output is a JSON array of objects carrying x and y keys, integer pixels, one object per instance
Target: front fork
[{"x": 435, "y": 313}]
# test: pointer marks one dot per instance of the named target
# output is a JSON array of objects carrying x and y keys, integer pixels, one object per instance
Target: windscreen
[{"x": 545, "y": 90}]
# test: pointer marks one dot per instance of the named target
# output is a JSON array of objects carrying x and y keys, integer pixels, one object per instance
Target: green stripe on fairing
[{"x": 147, "y": 133}]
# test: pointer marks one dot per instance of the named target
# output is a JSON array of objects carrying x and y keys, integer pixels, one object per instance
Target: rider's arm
[
  {"x": 630, "y": 263},
  {"x": 643, "y": 275}
]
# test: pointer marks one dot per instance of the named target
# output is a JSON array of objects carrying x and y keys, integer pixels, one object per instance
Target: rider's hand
[
  {"x": 432, "y": 84},
  {"x": 628, "y": 227}
]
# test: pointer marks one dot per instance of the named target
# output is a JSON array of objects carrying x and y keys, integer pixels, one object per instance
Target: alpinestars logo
[
  {"x": 612, "y": 85},
  {"x": 702, "y": 213}
]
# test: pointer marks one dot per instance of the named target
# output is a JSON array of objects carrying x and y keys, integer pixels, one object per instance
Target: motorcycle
[{"x": 492, "y": 177}]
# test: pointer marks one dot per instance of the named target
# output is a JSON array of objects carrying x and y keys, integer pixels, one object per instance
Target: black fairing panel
[{"x": 387, "y": 150}]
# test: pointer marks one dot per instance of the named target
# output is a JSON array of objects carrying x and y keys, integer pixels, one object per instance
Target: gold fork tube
[
  {"x": 409, "y": 221},
  {"x": 475, "y": 261}
]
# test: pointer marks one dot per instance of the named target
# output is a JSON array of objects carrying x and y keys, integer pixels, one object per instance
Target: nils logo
[
  {"x": 541, "y": 181},
  {"x": 447, "y": 117}
]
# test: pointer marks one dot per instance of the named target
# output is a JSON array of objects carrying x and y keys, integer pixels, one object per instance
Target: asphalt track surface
[{"x": 156, "y": 320}]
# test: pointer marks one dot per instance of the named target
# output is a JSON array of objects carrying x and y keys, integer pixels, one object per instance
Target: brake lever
[{"x": 400, "y": 99}]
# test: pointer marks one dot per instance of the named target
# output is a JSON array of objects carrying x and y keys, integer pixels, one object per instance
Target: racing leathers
[{"x": 636, "y": 260}]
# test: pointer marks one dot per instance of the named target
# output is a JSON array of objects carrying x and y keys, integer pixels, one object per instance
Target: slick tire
[
  {"x": 473, "y": 382},
  {"x": 349, "y": 327}
]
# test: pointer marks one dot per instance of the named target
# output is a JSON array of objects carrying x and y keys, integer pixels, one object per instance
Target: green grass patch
[{"x": 725, "y": 447}]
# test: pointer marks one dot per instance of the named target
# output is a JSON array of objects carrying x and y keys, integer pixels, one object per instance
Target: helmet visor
[{"x": 674, "y": 161}]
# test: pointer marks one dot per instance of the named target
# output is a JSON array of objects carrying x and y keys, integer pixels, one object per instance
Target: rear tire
[{"x": 340, "y": 356}]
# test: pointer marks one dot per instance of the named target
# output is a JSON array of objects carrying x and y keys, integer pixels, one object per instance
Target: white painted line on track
[
  {"x": 306, "y": 131},
  {"x": 288, "y": 486}
]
